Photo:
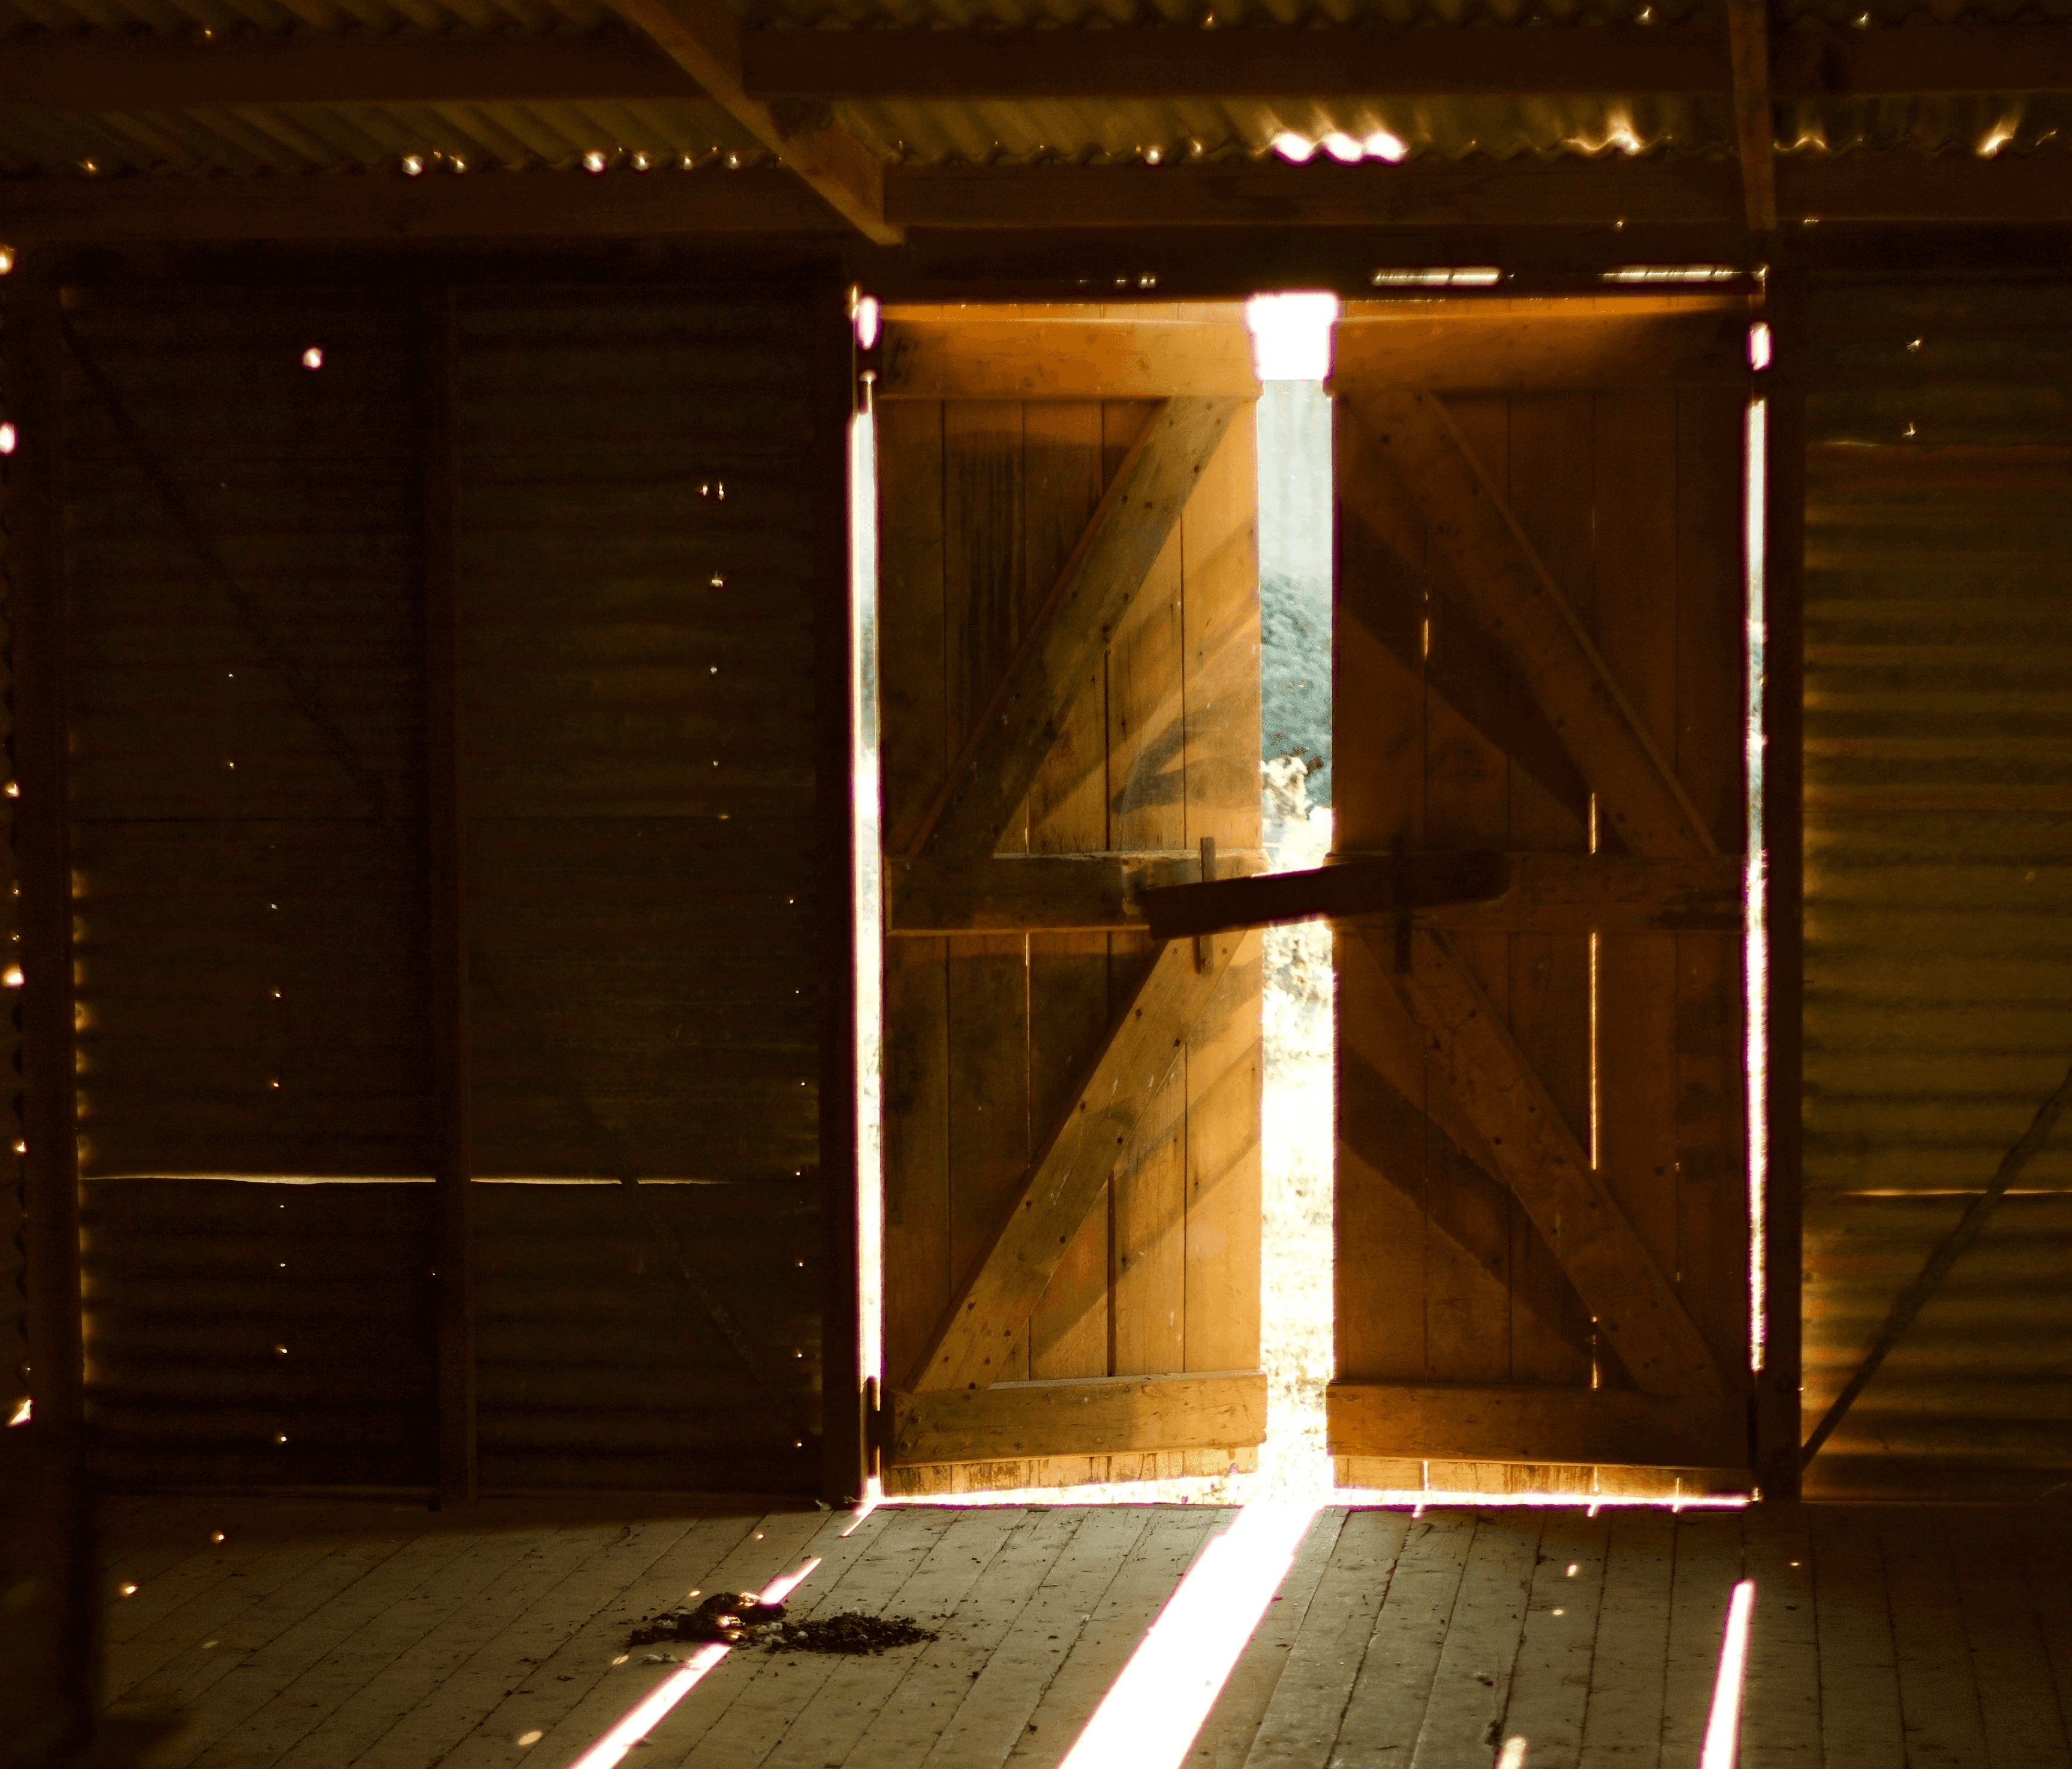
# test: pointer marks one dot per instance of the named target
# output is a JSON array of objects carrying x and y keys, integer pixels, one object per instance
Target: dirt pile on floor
[{"x": 849, "y": 1632}]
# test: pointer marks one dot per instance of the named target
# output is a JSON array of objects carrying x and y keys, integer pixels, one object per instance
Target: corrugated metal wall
[
  {"x": 245, "y": 577},
  {"x": 1938, "y": 882}
]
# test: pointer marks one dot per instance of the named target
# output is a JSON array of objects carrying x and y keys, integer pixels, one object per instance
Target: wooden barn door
[
  {"x": 1543, "y": 1264},
  {"x": 1069, "y": 636}
]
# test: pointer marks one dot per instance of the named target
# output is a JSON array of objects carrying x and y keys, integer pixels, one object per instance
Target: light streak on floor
[
  {"x": 649, "y": 1712},
  {"x": 1722, "y": 1748},
  {"x": 1151, "y": 1713}
]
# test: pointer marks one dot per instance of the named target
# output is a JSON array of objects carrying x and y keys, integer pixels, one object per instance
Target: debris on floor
[
  {"x": 848, "y": 1632},
  {"x": 727, "y": 1617}
]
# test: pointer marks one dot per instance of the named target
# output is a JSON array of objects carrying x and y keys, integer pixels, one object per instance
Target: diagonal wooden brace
[
  {"x": 1507, "y": 589},
  {"x": 1021, "y": 721},
  {"x": 1537, "y": 1156},
  {"x": 1090, "y": 1136}
]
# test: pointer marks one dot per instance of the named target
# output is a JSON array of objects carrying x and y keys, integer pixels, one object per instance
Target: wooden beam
[
  {"x": 1508, "y": 590},
  {"x": 1065, "y": 359},
  {"x": 119, "y": 70},
  {"x": 1479, "y": 1422},
  {"x": 1755, "y": 129},
  {"x": 1354, "y": 888},
  {"x": 453, "y": 1139},
  {"x": 1101, "y": 1416},
  {"x": 1537, "y": 1156},
  {"x": 1067, "y": 634},
  {"x": 491, "y": 205},
  {"x": 1077, "y": 1155},
  {"x": 1418, "y": 193},
  {"x": 1040, "y": 893},
  {"x": 1557, "y": 349},
  {"x": 1519, "y": 893},
  {"x": 1921, "y": 58},
  {"x": 1367, "y": 62},
  {"x": 703, "y": 38},
  {"x": 2010, "y": 189}
]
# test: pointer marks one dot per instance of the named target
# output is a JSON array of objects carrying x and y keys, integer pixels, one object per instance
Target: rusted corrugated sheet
[
  {"x": 1938, "y": 809},
  {"x": 242, "y": 1334}
]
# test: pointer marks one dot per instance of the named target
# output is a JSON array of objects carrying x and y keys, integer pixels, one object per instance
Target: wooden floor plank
[
  {"x": 1226, "y": 1736},
  {"x": 738, "y": 1721},
  {"x": 773, "y": 1546},
  {"x": 1550, "y": 1683},
  {"x": 1860, "y": 1723},
  {"x": 1708, "y": 1567},
  {"x": 2049, "y": 1570},
  {"x": 1623, "y": 1726},
  {"x": 1175, "y": 1536},
  {"x": 1301, "y": 1725},
  {"x": 2009, "y": 1661},
  {"x": 991, "y": 1720},
  {"x": 1471, "y": 1684},
  {"x": 1385, "y": 1715},
  {"x": 582, "y": 1662},
  {"x": 270, "y": 1642},
  {"x": 1938, "y": 1701},
  {"x": 856, "y": 1690},
  {"x": 935, "y": 1684},
  {"x": 1780, "y": 1700},
  {"x": 259, "y": 1570}
]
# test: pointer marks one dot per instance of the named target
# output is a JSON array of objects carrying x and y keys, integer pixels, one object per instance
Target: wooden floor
[{"x": 385, "y": 1639}]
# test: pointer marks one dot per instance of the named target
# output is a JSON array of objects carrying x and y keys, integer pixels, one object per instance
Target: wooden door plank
[
  {"x": 1634, "y": 443},
  {"x": 989, "y": 1722},
  {"x": 1860, "y": 1695},
  {"x": 992, "y": 1310},
  {"x": 1301, "y": 1723},
  {"x": 1012, "y": 723},
  {"x": 1637, "y": 1310},
  {"x": 1780, "y": 1699},
  {"x": 1623, "y": 1722},
  {"x": 1506, "y": 589},
  {"x": 1530, "y": 1422},
  {"x": 583, "y": 1664},
  {"x": 1093, "y": 1416},
  {"x": 1385, "y": 1714},
  {"x": 1062, "y": 491},
  {"x": 916, "y": 742},
  {"x": 2009, "y": 1664},
  {"x": 1707, "y": 1566},
  {"x": 314, "y": 1718},
  {"x": 1226, "y": 1736},
  {"x": 846, "y": 1695},
  {"x": 937, "y": 1683},
  {"x": 990, "y": 356},
  {"x": 1471, "y": 1683},
  {"x": 1529, "y": 352},
  {"x": 1171, "y": 1541},
  {"x": 1550, "y": 1684},
  {"x": 1221, "y": 1283},
  {"x": 917, "y": 1259},
  {"x": 1147, "y": 1209},
  {"x": 769, "y": 1546},
  {"x": 742, "y": 1717}
]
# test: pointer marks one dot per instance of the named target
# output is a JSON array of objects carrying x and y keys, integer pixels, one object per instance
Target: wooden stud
[
  {"x": 1578, "y": 348},
  {"x": 1069, "y": 359},
  {"x": 1748, "y": 41},
  {"x": 32, "y": 360},
  {"x": 844, "y": 1456},
  {"x": 1778, "y": 1422},
  {"x": 453, "y": 1144}
]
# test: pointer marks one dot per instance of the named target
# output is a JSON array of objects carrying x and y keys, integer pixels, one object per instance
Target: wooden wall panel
[{"x": 981, "y": 501}]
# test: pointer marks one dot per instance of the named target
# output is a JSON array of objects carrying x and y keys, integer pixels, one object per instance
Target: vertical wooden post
[
  {"x": 453, "y": 1152},
  {"x": 1778, "y": 1425},
  {"x": 843, "y": 1466},
  {"x": 49, "y": 1112}
]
